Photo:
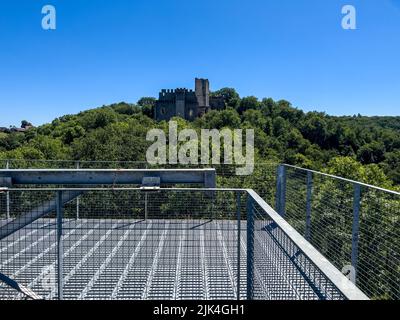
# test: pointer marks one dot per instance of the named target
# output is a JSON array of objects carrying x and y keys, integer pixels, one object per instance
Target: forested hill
[{"x": 363, "y": 148}]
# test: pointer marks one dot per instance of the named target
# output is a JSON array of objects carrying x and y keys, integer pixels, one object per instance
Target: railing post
[
  {"x": 77, "y": 198},
  {"x": 8, "y": 195},
  {"x": 250, "y": 248},
  {"x": 309, "y": 204},
  {"x": 239, "y": 225},
  {"x": 60, "y": 253},
  {"x": 145, "y": 206},
  {"x": 355, "y": 229},
  {"x": 281, "y": 190},
  {"x": 278, "y": 189}
]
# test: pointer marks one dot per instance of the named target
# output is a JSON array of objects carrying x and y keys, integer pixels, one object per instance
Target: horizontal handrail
[
  {"x": 206, "y": 176},
  {"x": 95, "y": 161},
  {"x": 343, "y": 179},
  {"x": 125, "y": 189}
]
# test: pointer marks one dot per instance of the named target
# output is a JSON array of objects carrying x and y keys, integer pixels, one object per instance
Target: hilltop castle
[{"x": 185, "y": 103}]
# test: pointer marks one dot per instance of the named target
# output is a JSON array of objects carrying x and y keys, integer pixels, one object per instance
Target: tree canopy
[{"x": 283, "y": 133}]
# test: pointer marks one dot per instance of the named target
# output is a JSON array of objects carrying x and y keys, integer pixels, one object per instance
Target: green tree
[
  {"x": 220, "y": 119},
  {"x": 248, "y": 103},
  {"x": 231, "y": 97},
  {"x": 373, "y": 152},
  {"x": 148, "y": 104},
  {"x": 25, "y": 124}
]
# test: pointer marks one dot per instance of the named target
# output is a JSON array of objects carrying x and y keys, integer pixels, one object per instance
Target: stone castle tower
[{"x": 202, "y": 89}]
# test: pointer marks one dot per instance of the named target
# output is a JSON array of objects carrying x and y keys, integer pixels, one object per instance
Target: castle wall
[
  {"x": 217, "y": 103},
  {"x": 191, "y": 106},
  {"x": 165, "y": 106},
  {"x": 180, "y": 103}
]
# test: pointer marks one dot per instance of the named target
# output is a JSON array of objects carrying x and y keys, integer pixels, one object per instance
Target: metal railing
[
  {"x": 186, "y": 243},
  {"x": 354, "y": 225}
]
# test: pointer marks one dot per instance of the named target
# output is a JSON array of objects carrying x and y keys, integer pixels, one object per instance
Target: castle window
[
  {"x": 163, "y": 111},
  {"x": 191, "y": 113}
]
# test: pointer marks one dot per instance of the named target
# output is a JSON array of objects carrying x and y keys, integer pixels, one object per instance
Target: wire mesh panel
[
  {"x": 127, "y": 244},
  {"x": 378, "y": 264},
  {"x": 282, "y": 271},
  {"x": 28, "y": 247},
  {"x": 296, "y": 191},
  {"x": 353, "y": 225},
  {"x": 332, "y": 219},
  {"x": 329, "y": 227}
]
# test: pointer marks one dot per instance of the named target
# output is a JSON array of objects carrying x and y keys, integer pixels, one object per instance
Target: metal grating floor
[{"x": 153, "y": 259}]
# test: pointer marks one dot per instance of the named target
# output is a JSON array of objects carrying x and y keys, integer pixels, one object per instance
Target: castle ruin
[{"x": 185, "y": 103}]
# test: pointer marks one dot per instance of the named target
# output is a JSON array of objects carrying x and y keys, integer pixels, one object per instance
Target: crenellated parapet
[{"x": 186, "y": 103}]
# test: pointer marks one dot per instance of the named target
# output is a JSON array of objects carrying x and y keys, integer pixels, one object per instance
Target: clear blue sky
[{"x": 110, "y": 51}]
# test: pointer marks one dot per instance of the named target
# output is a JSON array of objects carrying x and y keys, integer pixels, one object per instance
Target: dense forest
[{"x": 283, "y": 133}]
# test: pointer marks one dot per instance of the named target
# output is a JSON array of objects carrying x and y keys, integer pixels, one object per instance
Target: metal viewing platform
[{"x": 153, "y": 241}]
